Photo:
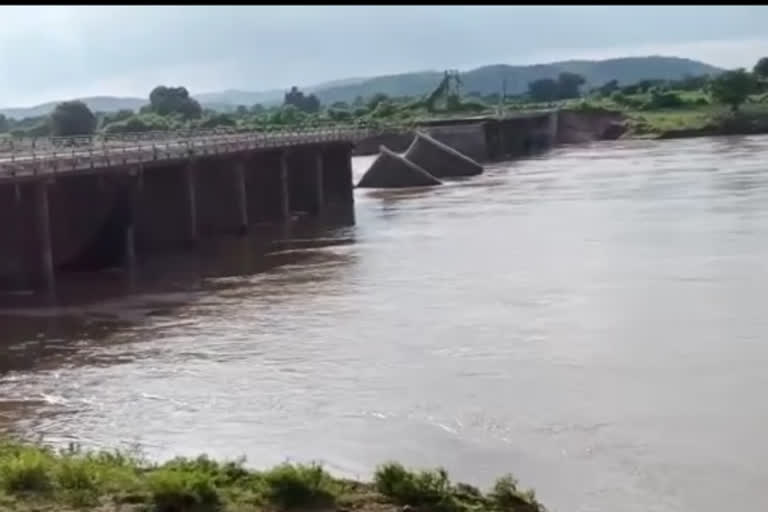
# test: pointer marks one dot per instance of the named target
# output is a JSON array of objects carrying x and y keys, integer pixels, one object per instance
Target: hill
[
  {"x": 484, "y": 80},
  {"x": 95, "y": 103},
  {"x": 489, "y": 79}
]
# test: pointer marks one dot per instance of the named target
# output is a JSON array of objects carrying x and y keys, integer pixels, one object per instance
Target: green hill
[
  {"x": 489, "y": 79},
  {"x": 484, "y": 80}
]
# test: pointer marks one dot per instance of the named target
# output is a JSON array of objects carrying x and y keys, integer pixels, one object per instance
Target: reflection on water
[{"x": 591, "y": 319}]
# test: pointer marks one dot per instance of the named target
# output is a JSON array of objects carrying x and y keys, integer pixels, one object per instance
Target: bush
[
  {"x": 622, "y": 99},
  {"x": 218, "y": 120},
  {"x": 289, "y": 486},
  {"x": 222, "y": 474},
  {"x": 507, "y": 498},
  {"x": 139, "y": 123},
  {"x": 432, "y": 488},
  {"x": 175, "y": 490},
  {"x": 26, "y": 470},
  {"x": 79, "y": 479},
  {"x": 663, "y": 99},
  {"x": 339, "y": 115}
]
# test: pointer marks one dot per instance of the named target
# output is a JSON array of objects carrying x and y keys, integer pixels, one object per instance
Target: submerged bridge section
[{"x": 88, "y": 202}]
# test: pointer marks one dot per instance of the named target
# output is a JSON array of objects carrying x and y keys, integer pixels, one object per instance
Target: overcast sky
[{"x": 53, "y": 53}]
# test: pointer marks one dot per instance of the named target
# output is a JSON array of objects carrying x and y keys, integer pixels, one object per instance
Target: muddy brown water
[{"x": 592, "y": 320}]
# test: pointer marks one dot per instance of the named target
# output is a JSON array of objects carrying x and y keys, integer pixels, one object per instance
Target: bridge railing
[
  {"x": 102, "y": 152},
  {"x": 21, "y": 145}
]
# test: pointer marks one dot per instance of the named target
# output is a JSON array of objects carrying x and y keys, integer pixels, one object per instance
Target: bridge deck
[{"x": 28, "y": 159}]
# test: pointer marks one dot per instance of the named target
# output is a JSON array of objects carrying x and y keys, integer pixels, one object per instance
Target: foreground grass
[{"x": 36, "y": 478}]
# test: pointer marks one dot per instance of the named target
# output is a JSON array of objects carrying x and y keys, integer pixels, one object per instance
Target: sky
[{"x": 50, "y": 53}]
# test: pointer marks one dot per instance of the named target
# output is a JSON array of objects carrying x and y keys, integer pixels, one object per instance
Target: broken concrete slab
[
  {"x": 440, "y": 160},
  {"x": 391, "y": 170}
]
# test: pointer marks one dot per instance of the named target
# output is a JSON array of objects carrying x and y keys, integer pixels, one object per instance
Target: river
[{"x": 591, "y": 320}]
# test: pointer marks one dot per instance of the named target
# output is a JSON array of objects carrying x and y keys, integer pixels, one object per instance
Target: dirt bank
[{"x": 576, "y": 126}]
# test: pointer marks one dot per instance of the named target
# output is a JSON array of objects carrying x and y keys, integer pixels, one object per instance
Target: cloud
[{"x": 65, "y": 51}]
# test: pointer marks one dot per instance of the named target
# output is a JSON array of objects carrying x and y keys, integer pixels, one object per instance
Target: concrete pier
[
  {"x": 319, "y": 191},
  {"x": 43, "y": 219},
  {"x": 285, "y": 193},
  {"x": 241, "y": 195},
  {"x": 190, "y": 183}
]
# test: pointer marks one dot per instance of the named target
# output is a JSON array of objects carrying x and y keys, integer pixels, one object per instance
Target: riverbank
[
  {"x": 706, "y": 121},
  {"x": 37, "y": 478}
]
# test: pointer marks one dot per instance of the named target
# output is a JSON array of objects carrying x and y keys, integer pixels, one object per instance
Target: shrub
[
  {"x": 222, "y": 474},
  {"x": 27, "y": 470},
  {"x": 174, "y": 490},
  {"x": 506, "y": 497},
  {"x": 289, "y": 486},
  {"x": 79, "y": 478},
  {"x": 622, "y": 99},
  {"x": 218, "y": 120},
  {"x": 139, "y": 123},
  {"x": 664, "y": 99},
  {"x": 432, "y": 488}
]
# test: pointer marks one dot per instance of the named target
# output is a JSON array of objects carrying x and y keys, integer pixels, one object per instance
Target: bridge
[
  {"x": 98, "y": 201},
  {"x": 28, "y": 157}
]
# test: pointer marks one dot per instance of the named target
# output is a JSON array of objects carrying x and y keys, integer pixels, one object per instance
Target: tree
[
  {"x": 174, "y": 100},
  {"x": 544, "y": 89},
  {"x": 376, "y": 99},
  {"x": 309, "y": 104},
  {"x": 120, "y": 115},
  {"x": 609, "y": 88},
  {"x": 241, "y": 110},
  {"x": 4, "y": 124},
  {"x": 761, "y": 68},
  {"x": 384, "y": 108},
  {"x": 569, "y": 85},
  {"x": 732, "y": 88},
  {"x": 72, "y": 118}
]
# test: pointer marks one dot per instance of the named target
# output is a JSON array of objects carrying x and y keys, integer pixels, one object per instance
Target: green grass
[
  {"x": 433, "y": 490},
  {"x": 36, "y": 478}
]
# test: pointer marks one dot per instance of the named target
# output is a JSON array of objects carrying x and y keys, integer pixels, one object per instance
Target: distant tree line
[{"x": 172, "y": 108}]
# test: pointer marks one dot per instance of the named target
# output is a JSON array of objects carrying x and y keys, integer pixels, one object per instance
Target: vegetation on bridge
[
  {"x": 34, "y": 478},
  {"x": 653, "y": 106}
]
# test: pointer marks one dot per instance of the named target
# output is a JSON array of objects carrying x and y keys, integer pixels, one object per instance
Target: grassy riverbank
[
  {"x": 693, "y": 117},
  {"x": 36, "y": 478}
]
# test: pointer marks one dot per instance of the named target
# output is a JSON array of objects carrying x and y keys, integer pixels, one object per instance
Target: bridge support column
[
  {"x": 44, "y": 238},
  {"x": 134, "y": 186},
  {"x": 319, "y": 183},
  {"x": 190, "y": 179},
  {"x": 349, "y": 185},
  {"x": 285, "y": 193},
  {"x": 130, "y": 254},
  {"x": 242, "y": 196}
]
